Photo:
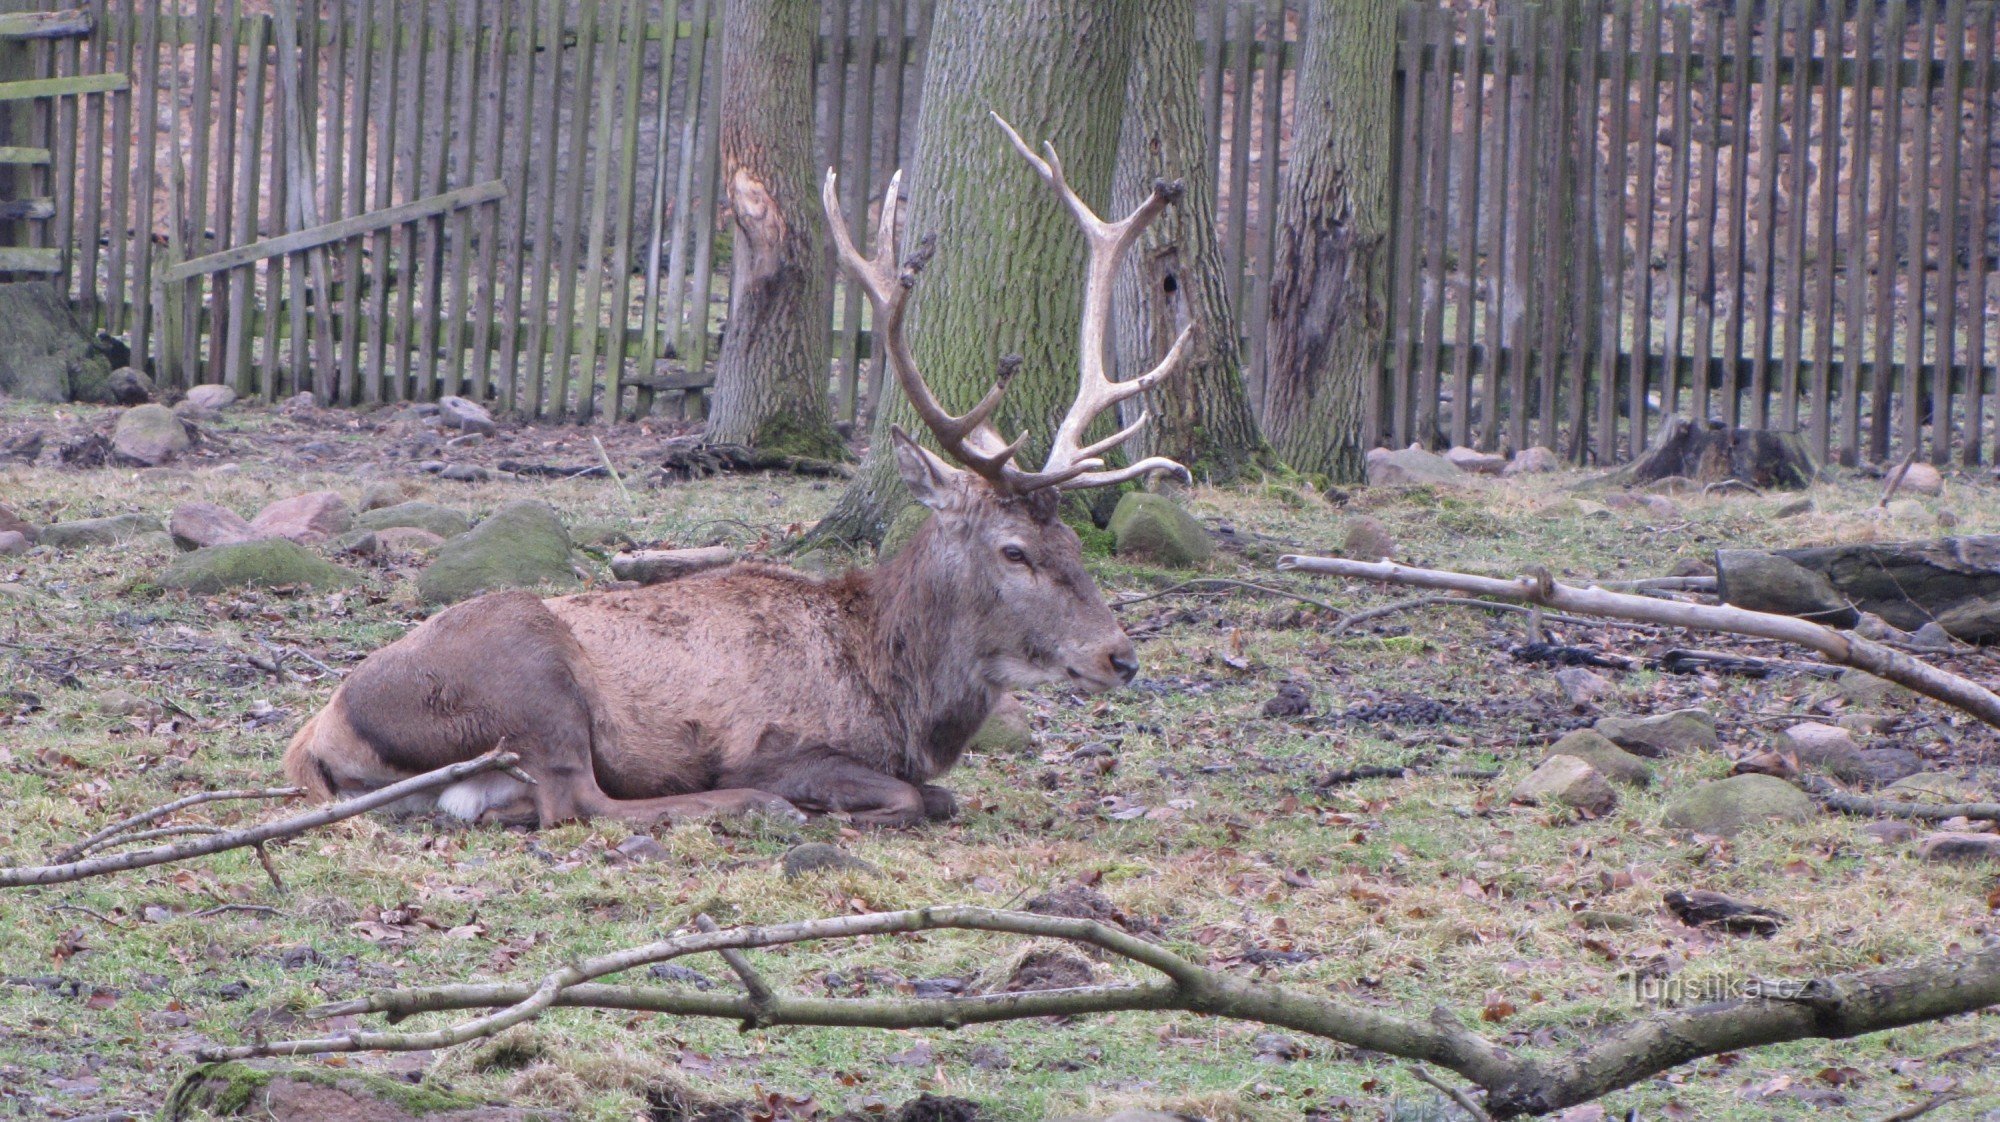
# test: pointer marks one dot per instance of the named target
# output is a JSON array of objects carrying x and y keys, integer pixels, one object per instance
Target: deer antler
[
  {"x": 968, "y": 438},
  {"x": 1072, "y": 464}
]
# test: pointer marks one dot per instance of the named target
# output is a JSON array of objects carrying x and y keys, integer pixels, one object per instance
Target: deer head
[{"x": 996, "y": 530}]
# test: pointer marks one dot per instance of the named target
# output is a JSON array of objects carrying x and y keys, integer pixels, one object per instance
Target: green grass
[{"x": 1414, "y": 892}]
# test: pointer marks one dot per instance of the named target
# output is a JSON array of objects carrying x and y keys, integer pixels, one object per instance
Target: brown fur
[{"x": 737, "y": 688}]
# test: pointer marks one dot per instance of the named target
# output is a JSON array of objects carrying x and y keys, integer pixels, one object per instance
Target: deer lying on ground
[{"x": 755, "y": 687}]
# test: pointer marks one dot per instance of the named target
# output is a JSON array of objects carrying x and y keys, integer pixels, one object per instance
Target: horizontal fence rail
[{"x": 1605, "y": 212}]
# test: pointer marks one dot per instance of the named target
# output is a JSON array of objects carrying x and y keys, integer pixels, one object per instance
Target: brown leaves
[
  {"x": 397, "y": 924},
  {"x": 1496, "y": 1009}
]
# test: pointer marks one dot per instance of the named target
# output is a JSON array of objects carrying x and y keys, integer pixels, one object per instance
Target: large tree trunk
[
  {"x": 1202, "y": 417},
  {"x": 1008, "y": 274},
  {"x": 1327, "y": 310},
  {"x": 770, "y": 382}
]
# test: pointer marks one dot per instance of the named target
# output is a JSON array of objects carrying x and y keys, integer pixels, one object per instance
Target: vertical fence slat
[
  {"x": 856, "y": 186},
  {"x": 1416, "y": 24},
  {"x": 382, "y": 244},
  {"x": 354, "y": 386},
  {"x": 220, "y": 324},
  {"x": 1889, "y": 152},
  {"x": 1915, "y": 297},
  {"x": 243, "y": 282},
  {"x": 621, "y": 241},
  {"x": 123, "y": 228},
  {"x": 1497, "y": 229},
  {"x": 684, "y": 198},
  {"x": 90, "y": 200},
  {"x": 1551, "y": 80},
  {"x": 1854, "y": 326},
  {"x": 541, "y": 264},
  {"x": 145, "y": 183},
  {"x": 581, "y": 94},
  {"x": 1609, "y": 237},
  {"x": 1524, "y": 220},
  {"x": 1981, "y": 198},
  {"x": 1787, "y": 383},
  {"x": 412, "y": 100},
  {"x": 1236, "y": 228},
  {"x": 470, "y": 31},
  {"x": 1468, "y": 229},
  {"x": 1639, "y": 369},
  {"x": 833, "y": 74},
  {"x": 606, "y": 102},
  {"x": 1952, "y": 120},
  {"x": 489, "y": 163},
  {"x": 1576, "y": 144},
  {"x": 332, "y": 163},
  {"x": 1737, "y": 216},
  {"x": 1680, "y": 159},
  {"x": 1270, "y": 133},
  {"x": 1826, "y": 250},
  {"x": 1432, "y": 274},
  {"x": 65, "y": 59},
  {"x": 431, "y": 180},
  {"x": 275, "y": 267},
  {"x": 701, "y": 296},
  {"x": 649, "y": 316},
  {"x": 1211, "y": 77}
]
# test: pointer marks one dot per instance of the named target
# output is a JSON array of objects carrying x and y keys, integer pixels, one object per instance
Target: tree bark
[
  {"x": 1202, "y": 417},
  {"x": 770, "y": 382},
  {"x": 1008, "y": 274},
  {"x": 1327, "y": 285}
]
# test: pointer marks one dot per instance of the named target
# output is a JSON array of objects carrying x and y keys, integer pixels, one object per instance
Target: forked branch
[
  {"x": 1514, "y": 1083},
  {"x": 1843, "y": 647}
]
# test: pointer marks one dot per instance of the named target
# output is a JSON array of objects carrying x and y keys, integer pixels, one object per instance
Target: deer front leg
[{"x": 833, "y": 784}]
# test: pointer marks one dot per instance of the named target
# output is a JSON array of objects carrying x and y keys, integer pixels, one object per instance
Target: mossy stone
[
  {"x": 1006, "y": 732},
  {"x": 1728, "y": 806},
  {"x": 98, "y": 531},
  {"x": 272, "y": 561},
  {"x": 1609, "y": 759},
  {"x": 522, "y": 545},
  {"x": 443, "y": 521},
  {"x": 902, "y": 528},
  {"x": 1154, "y": 528}
]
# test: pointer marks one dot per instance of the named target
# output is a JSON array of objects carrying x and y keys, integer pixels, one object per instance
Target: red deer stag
[{"x": 755, "y": 687}]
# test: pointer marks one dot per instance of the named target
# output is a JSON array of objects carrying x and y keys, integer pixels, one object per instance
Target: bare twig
[
  {"x": 1896, "y": 475},
  {"x": 1463, "y": 1100},
  {"x": 91, "y": 912},
  {"x": 159, "y": 812},
  {"x": 631, "y": 507},
  {"x": 1844, "y": 647},
  {"x": 219, "y": 909},
  {"x": 157, "y": 834},
  {"x": 255, "y": 835},
  {"x": 1910, "y": 1113},
  {"x": 760, "y": 993},
  {"x": 1515, "y": 1083}
]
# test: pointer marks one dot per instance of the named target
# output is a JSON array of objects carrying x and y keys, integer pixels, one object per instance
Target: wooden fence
[
  {"x": 1605, "y": 211},
  {"x": 1773, "y": 214}
]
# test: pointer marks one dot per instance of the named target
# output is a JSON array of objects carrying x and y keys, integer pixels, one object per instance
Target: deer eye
[{"x": 1015, "y": 554}]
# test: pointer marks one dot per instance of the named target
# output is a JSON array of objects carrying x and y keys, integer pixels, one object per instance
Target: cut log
[
  {"x": 1955, "y": 581},
  {"x": 1712, "y": 452}
]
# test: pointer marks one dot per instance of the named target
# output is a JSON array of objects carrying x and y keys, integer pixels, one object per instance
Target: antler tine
[
  {"x": 968, "y": 438},
  {"x": 1070, "y": 463}
]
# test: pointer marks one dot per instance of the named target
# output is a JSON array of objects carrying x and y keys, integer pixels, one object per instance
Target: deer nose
[{"x": 1126, "y": 663}]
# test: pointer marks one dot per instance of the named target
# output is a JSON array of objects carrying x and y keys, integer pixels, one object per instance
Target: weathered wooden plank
[
  {"x": 1951, "y": 119},
  {"x": 621, "y": 239},
  {"x": 333, "y": 180},
  {"x": 328, "y": 233},
  {"x": 122, "y": 230},
  {"x": 855, "y": 185},
  {"x": 1895, "y": 24},
  {"x": 1553, "y": 123},
  {"x": 1736, "y": 222},
  {"x": 1211, "y": 78},
  {"x": 1680, "y": 159},
  {"x": 1854, "y": 326},
  {"x": 707, "y": 180},
  {"x": 361, "y": 70},
  {"x": 1826, "y": 247},
  {"x": 1269, "y": 159},
  {"x": 303, "y": 208},
  {"x": 1916, "y": 248},
  {"x": 524, "y": 76},
  {"x": 70, "y": 24},
  {"x": 1981, "y": 199},
  {"x": 221, "y": 325},
  {"x": 197, "y": 216},
  {"x": 466, "y": 95},
  {"x": 1415, "y": 24},
  {"x": 1468, "y": 237},
  {"x": 376, "y": 384},
  {"x": 145, "y": 185},
  {"x": 832, "y": 63},
  {"x": 90, "y": 190},
  {"x": 1794, "y": 232},
  {"x": 606, "y": 102},
  {"x": 542, "y": 266},
  {"x": 67, "y": 58},
  {"x": 1612, "y": 193},
  {"x": 30, "y": 259},
  {"x": 1586, "y": 360},
  {"x": 26, "y": 157},
  {"x": 1762, "y": 292},
  {"x": 1236, "y": 228},
  {"x": 243, "y": 286},
  {"x": 656, "y": 225},
  {"x": 30, "y": 210},
  {"x": 72, "y": 85},
  {"x": 1648, "y": 98},
  {"x": 1436, "y": 158},
  {"x": 433, "y": 268},
  {"x": 489, "y": 164},
  {"x": 1500, "y": 191},
  {"x": 569, "y": 260},
  {"x": 892, "y": 150}
]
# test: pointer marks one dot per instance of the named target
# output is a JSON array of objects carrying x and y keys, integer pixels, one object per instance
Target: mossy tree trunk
[
  {"x": 1327, "y": 287},
  {"x": 1202, "y": 417},
  {"x": 770, "y": 381},
  {"x": 1008, "y": 274}
]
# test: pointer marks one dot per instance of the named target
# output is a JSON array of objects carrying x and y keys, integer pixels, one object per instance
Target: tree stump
[
  {"x": 1711, "y": 452},
  {"x": 45, "y": 354}
]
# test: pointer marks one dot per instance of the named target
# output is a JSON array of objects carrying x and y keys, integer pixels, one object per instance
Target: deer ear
[{"x": 931, "y": 481}]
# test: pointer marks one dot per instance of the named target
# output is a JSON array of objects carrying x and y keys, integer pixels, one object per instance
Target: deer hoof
[{"x": 940, "y": 805}]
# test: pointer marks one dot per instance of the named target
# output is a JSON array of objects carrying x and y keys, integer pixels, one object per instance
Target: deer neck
[{"x": 928, "y": 669}]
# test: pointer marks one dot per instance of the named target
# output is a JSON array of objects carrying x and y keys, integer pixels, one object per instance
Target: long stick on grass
[
  {"x": 1843, "y": 647},
  {"x": 256, "y": 835}
]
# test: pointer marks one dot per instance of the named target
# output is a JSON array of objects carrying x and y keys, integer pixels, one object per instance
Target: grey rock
[
  {"x": 1474, "y": 461},
  {"x": 1532, "y": 460},
  {"x": 1412, "y": 466},
  {"x": 97, "y": 531},
  {"x": 14, "y": 543},
  {"x": 644, "y": 850},
  {"x": 200, "y": 525},
  {"x": 212, "y": 398},
  {"x": 1368, "y": 540},
  {"x": 1726, "y": 807},
  {"x": 1609, "y": 759},
  {"x": 1684, "y": 730},
  {"x": 149, "y": 435},
  {"x": 819, "y": 857},
  {"x": 386, "y": 493},
  {"x": 129, "y": 385},
  {"x": 1155, "y": 529},
  {"x": 1890, "y": 831},
  {"x": 1828, "y": 748},
  {"x": 1926, "y": 787},
  {"x": 1796, "y": 508},
  {"x": 1959, "y": 848},
  {"x": 464, "y": 413},
  {"x": 1922, "y": 479},
  {"x": 1865, "y": 691},
  {"x": 1882, "y": 766},
  {"x": 465, "y": 473},
  {"x": 1006, "y": 731},
  {"x": 654, "y": 566},
  {"x": 14, "y": 523},
  {"x": 444, "y": 521},
  {"x": 315, "y": 517},
  {"x": 119, "y": 703},
  {"x": 1766, "y": 582},
  {"x": 1567, "y": 781},
  {"x": 1932, "y": 636},
  {"x": 522, "y": 545},
  {"x": 1582, "y": 685}
]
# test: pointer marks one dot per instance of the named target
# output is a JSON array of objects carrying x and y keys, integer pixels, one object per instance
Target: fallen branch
[
  {"x": 254, "y": 835},
  {"x": 1866, "y": 806},
  {"x": 1516, "y": 1084},
  {"x": 1843, "y": 647},
  {"x": 140, "y": 819}
]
